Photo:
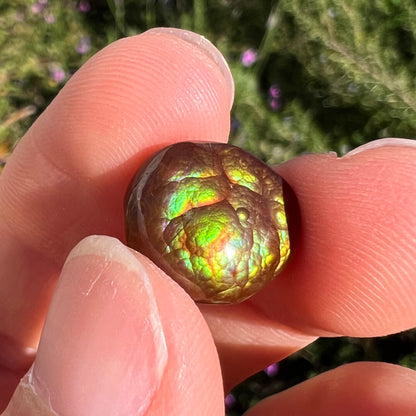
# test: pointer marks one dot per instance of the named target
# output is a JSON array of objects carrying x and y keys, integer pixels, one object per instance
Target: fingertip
[
  {"x": 133, "y": 97},
  {"x": 352, "y": 270},
  {"x": 360, "y": 389},
  {"x": 88, "y": 360},
  {"x": 206, "y": 46}
]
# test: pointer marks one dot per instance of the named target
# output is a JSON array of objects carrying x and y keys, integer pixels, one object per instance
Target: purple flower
[
  {"x": 84, "y": 6},
  {"x": 57, "y": 74},
  {"x": 84, "y": 45},
  {"x": 272, "y": 369},
  {"x": 274, "y": 91},
  {"x": 37, "y": 7},
  {"x": 274, "y": 97},
  {"x": 249, "y": 57},
  {"x": 230, "y": 401},
  {"x": 235, "y": 124},
  {"x": 274, "y": 104}
]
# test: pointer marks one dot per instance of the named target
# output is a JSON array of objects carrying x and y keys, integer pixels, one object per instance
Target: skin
[{"x": 120, "y": 336}]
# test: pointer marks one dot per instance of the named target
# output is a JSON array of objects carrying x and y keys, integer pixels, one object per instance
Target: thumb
[{"x": 109, "y": 346}]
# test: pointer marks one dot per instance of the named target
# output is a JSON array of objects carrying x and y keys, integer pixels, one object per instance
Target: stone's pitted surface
[{"x": 212, "y": 217}]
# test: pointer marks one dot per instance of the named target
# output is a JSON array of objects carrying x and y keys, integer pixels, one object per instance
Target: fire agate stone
[{"x": 212, "y": 217}]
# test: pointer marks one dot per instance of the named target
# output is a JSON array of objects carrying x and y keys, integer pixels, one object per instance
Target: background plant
[{"x": 311, "y": 76}]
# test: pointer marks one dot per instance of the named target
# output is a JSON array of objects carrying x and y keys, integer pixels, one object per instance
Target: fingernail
[
  {"x": 103, "y": 349},
  {"x": 209, "y": 49},
  {"x": 388, "y": 142}
]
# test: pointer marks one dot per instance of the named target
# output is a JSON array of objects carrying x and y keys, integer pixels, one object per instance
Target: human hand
[{"x": 121, "y": 337}]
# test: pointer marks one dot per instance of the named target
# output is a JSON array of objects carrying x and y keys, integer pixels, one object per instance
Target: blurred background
[{"x": 310, "y": 77}]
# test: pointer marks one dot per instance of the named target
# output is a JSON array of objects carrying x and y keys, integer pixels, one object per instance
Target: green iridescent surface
[{"x": 212, "y": 217}]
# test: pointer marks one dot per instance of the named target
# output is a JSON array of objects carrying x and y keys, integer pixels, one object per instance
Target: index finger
[
  {"x": 68, "y": 176},
  {"x": 353, "y": 271}
]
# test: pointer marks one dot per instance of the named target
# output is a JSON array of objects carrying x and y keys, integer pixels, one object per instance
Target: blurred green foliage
[
  {"x": 311, "y": 76},
  {"x": 343, "y": 70},
  {"x": 34, "y": 45}
]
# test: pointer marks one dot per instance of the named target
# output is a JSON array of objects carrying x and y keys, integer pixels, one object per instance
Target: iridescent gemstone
[{"x": 211, "y": 216}]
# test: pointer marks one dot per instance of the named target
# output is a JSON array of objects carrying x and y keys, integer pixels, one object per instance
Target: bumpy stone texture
[{"x": 212, "y": 217}]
